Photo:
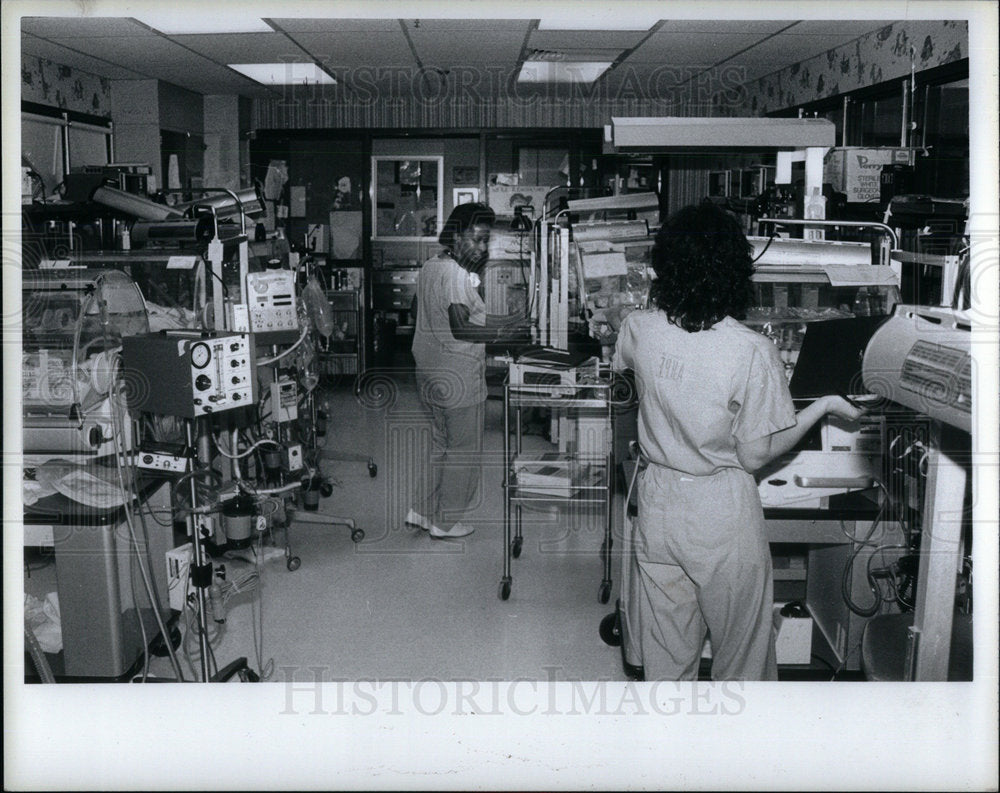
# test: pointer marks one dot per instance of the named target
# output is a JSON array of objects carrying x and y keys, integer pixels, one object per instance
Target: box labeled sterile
[{"x": 857, "y": 171}]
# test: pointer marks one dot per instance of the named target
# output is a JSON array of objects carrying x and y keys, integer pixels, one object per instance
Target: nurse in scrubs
[{"x": 714, "y": 407}]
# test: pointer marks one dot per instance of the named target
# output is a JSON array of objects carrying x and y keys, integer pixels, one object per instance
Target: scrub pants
[
  {"x": 704, "y": 566},
  {"x": 456, "y": 462}
]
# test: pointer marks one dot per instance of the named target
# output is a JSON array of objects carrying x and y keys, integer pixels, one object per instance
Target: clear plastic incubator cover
[{"x": 73, "y": 323}]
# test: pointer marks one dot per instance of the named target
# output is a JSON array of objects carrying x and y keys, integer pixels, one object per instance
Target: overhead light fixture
[
  {"x": 562, "y": 71},
  {"x": 284, "y": 73},
  {"x": 615, "y": 21},
  {"x": 175, "y": 23}
]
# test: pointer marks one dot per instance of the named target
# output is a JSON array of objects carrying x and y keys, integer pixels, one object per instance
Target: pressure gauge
[{"x": 200, "y": 355}]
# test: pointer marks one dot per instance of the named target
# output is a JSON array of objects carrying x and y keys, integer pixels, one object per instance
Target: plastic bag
[{"x": 318, "y": 307}]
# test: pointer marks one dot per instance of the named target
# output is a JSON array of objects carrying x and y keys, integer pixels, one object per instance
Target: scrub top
[
  {"x": 700, "y": 393},
  {"x": 450, "y": 373}
]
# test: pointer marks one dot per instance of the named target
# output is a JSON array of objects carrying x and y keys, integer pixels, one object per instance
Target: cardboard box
[
  {"x": 793, "y": 640},
  {"x": 857, "y": 170}
]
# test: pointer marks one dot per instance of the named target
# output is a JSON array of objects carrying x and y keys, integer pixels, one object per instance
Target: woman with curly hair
[{"x": 714, "y": 407}]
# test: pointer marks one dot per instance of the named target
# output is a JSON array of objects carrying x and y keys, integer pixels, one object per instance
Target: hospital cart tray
[{"x": 549, "y": 477}]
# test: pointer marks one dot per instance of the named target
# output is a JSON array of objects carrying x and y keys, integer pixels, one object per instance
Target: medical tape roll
[{"x": 134, "y": 205}]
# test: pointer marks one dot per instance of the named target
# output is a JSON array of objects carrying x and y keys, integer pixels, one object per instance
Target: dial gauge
[{"x": 200, "y": 355}]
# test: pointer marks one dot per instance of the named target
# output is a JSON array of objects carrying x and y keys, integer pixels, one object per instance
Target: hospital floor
[{"x": 400, "y": 604}]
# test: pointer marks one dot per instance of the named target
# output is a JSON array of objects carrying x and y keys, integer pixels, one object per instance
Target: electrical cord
[
  {"x": 284, "y": 353},
  {"x": 150, "y": 587},
  {"x": 257, "y": 620},
  {"x": 770, "y": 239},
  {"x": 241, "y": 455}
]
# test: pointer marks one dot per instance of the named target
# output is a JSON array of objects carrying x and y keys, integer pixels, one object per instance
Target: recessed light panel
[
  {"x": 562, "y": 71},
  {"x": 284, "y": 73}
]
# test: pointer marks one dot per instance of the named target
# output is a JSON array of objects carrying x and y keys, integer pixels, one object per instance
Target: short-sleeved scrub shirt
[
  {"x": 702, "y": 392},
  {"x": 450, "y": 373}
]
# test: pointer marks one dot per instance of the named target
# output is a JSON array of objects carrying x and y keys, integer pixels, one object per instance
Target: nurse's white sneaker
[
  {"x": 458, "y": 530},
  {"x": 414, "y": 518}
]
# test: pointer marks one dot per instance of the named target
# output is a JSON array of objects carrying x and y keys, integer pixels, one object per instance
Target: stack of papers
[{"x": 554, "y": 474}]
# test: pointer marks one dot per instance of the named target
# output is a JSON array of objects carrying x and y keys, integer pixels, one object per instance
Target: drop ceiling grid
[
  {"x": 83, "y": 27},
  {"x": 244, "y": 47},
  {"x": 327, "y": 25},
  {"x": 443, "y": 49},
  {"x": 691, "y": 49},
  {"x": 793, "y": 49},
  {"x": 349, "y": 50},
  {"x": 33, "y": 46},
  {"x": 486, "y": 26},
  {"x": 579, "y": 40},
  {"x": 142, "y": 53}
]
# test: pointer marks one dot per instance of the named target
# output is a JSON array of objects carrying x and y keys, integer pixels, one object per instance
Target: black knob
[
  {"x": 203, "y": 382},
  {"x": 234, "y": 346},
  {"x": 234, "y": 363},
  {"x": 236, "y": 380},
  {"x": 147, "y": 458},
  {"x": 95, "y": 437},
  {"x": 236, "y": 397}
]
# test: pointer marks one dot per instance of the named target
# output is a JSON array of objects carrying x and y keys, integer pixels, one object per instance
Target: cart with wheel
[
  {"x": 620, "y": 628},
  {"x": 583, "y": 477}
]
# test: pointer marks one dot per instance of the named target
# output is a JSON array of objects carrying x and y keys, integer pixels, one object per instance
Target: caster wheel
[
  {"x": 293, "y": 564},
  {"x": 515, "y": 547},
  {"x": 372, "y": 469},
  {"x": 358, "y": 535},
  {"x": 326, "y": 490},
  {"x": 604, "y": 593},
  {"x": 504, "y": 590},
  {"x": 611, "y": 630}
]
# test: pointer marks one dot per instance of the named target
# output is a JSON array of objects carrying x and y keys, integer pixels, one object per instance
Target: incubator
[{"x": 73, "y": 324}]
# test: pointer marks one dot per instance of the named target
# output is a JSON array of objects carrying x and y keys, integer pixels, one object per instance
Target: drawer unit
[{"x": 394, "y": 290}]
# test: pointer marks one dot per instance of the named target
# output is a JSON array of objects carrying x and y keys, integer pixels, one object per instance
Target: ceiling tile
[
  {"x": 445, "y": 49},
  {"x": 691, "y": 49},
  {"x": 40, "y": 48},
  {"x": 83, "y": 27},
  {"x": 490, "y": 26},
  {"x": 353, "y": 50},
  {"x": 141, "y": 53},
  {"x": 243, "y": 47},
  {"x": 794, "y": 48},
  {"x": 853, "y": 28},
  {"x": 583, "y": 39},
  {"x": 311, "y": 25},
  {"x": 760, "y": 27}
]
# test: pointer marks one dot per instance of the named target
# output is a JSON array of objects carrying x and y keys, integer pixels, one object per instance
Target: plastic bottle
[{"x": 815, "y": 209}]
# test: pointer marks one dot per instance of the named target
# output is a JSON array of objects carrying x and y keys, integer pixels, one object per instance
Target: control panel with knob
[{"x": 189, "y": 373}]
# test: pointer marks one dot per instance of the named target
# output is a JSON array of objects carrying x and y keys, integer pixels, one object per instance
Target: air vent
[{"x": 547, "y": 55}]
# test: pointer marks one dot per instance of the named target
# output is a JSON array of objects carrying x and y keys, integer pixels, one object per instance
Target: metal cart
[{"x": 583, "y": 478}]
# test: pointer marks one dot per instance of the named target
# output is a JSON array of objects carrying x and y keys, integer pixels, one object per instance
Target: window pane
[
  {"x": 41, "y": 149},
  {"x": 87, "y": 147}
]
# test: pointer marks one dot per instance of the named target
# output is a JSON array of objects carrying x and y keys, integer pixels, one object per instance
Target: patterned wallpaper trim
[
  {"x": 48, "y": 83},
  {"x": 874, "y": 58}
]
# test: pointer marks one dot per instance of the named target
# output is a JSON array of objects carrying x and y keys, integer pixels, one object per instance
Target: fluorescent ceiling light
[
  {"x": 284, "y": 73},
  {"x": 205, "y": 21},
  {"x": 609, "y": 21},
  {"x": 562, "y": 71}
]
